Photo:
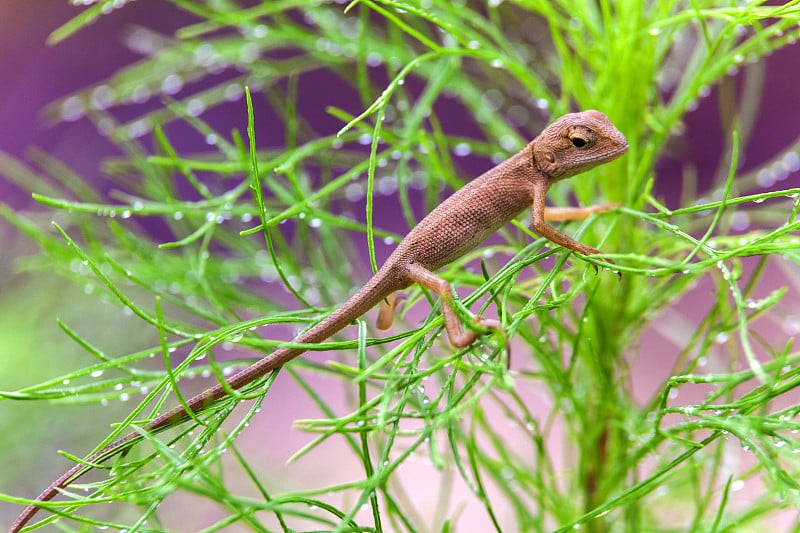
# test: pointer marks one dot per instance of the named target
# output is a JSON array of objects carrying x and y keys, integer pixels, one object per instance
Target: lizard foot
[
  {"x": 388, "y": 308},
  {"x": 462, "y": 339},
  {"x": 610, "y": 266},
  {"x": 601, "y": 208},
  {"x": 495, "y": 326}
]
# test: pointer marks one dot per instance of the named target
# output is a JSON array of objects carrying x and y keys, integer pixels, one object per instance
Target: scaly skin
[{"x": 572, "y": 144}]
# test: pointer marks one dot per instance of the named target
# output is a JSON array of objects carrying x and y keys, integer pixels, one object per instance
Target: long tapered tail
[{"x": 379, "y": 287}]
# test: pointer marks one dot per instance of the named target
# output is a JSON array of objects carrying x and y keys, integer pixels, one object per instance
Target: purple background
[{"x": 34, "y": 75}]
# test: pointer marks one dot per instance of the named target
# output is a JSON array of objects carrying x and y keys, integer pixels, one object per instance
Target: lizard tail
[{"x": 379, "y": 287}]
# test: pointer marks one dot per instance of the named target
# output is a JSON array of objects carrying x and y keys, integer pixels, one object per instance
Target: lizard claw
[
  {"x": 494, "y": 325},
  {"x": 610, "y": 266},
  {"x": 487, "y": 323},
  {"x": 605, "y": 207}
]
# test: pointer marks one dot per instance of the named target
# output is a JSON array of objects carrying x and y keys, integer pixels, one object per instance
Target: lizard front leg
[
  {"x": 562, "y": 214},
  {"x": 539, "y": 216},
  {"x": 458, "y": 337}
]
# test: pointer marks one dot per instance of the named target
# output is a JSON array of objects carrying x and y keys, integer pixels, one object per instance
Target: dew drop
[
  {"x": 138, "y": 128},
  {"x": 102, "y": 97},
  {"x": 374, "y": 59},
  {"x": 140, "y": 94},
  {"x": 172, "y": 84},
  {"x": 72, "y": 109},
  {"x": 195, "y": 107},
  {"x": 233, "y": 92},
  {"x": 791, "y": 325},
  {"x": 508, "y": 142},
  {"x": 791, "y": 161},
  {"x": 260, "y": 31},
  {"x": 141, "y": 41},
  {"x": 204, "y": 55},
  {"x": 740, "y": 221},
  {"x": 673, "y": 393},
  {"x": 106, "y": 126},
  {"x": 386, "y": 185},
  {"x": 462, "y": 149},
  {"x": 249, "y": 53}
]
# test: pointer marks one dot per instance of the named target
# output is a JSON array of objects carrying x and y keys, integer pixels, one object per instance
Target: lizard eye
[
  {"x": 578, "y": 140},
  {"x": 581, "y": 137}
]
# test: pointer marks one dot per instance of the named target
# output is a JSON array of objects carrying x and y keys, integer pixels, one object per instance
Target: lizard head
[{"x": 575, "y": 143}]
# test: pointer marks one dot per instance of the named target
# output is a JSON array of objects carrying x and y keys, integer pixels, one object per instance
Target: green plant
[{"x": 628, "y": 465}]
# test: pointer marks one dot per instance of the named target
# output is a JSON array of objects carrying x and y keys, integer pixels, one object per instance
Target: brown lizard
[{"x": 572, "y": 144}]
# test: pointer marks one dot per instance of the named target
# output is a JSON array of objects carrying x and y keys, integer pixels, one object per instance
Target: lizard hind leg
[
  {"x": 387, "y": 310},
  {"x": 455, "y": 332}
]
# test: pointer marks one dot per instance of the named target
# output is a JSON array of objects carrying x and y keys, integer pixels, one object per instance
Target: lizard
[{"x": 572, "y": 144}]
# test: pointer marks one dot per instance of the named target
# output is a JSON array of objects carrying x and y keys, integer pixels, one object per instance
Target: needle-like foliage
[{"x": 223, "y": 253}]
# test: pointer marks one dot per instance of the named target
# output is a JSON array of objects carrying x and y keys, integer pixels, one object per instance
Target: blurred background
[{"x": 33, "y": 74}]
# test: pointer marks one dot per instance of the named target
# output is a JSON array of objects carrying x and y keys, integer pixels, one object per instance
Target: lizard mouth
[
  {"x": 620, "y": 143},
  {"x": 619, "y": 146}
]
